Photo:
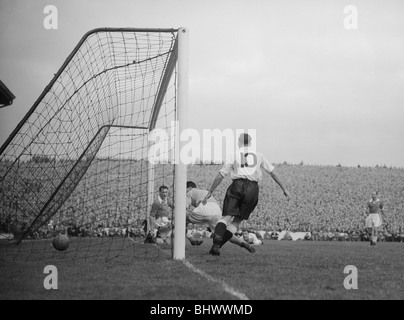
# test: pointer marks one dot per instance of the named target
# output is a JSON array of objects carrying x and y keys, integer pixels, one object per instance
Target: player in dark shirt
[{"x": 374, "y": 219}]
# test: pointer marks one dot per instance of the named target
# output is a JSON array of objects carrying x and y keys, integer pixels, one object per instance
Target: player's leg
[
  {"x": 372, "y": 237},
  {"x": 247, "y": 199},
  {"x": 215, "y": 217},
  {"x": 247, "y": 205},
  {"x": 220, "y": 230},
  {"x": 375, "y": 235},
  {"x": 230, "y": 235},
  {"x": 242, "y": 244},
  {"x": 231, "y": 229},
  {"x": 250, "y": 199},
  {"x": 230, "y": 208},
  {"x": 369, "y": 228},
  {"x": 369, "y": 233},
  {"x": 376, "y": 223}
]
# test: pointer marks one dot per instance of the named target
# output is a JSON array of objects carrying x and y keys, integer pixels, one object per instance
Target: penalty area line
[{"x": 225, "y": 286}]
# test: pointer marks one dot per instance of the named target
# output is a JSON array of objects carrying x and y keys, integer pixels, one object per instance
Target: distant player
[
  {"x": 242, "y": 195},
  {"x": 209, "y": 214},
  {"x": 374, "y": 219}
]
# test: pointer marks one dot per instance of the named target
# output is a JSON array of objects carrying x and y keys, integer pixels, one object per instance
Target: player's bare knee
[
  {"x": 232, "y": 228},
  {"x": 225, "y": 220}
]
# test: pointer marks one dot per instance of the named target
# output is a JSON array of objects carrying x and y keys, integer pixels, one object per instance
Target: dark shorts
[{"x": 241, "y": 198}]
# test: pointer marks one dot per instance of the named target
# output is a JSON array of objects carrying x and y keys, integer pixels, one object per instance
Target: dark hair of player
[
  {"x": 245, "y": 138},
  {"x": 191, "y": 184}
]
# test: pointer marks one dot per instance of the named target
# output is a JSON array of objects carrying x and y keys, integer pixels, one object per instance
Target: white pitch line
[{"x": 225, "y": 286}]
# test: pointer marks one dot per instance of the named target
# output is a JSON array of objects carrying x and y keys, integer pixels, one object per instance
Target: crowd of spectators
[{"x": 329, "y": 203}]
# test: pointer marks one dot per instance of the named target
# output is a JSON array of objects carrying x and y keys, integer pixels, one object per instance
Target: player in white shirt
[
  {"x": 242, "y": 195},
  {"x": 209, "y": 214}
]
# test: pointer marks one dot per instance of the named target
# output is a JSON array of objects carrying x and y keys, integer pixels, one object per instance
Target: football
[{"x": 61, "y": 242}]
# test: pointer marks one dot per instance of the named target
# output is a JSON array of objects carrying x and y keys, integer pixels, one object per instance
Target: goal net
[{"x": 78, "y": 162}]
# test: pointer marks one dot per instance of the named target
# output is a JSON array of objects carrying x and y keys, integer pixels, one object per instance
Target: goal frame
[{"x": 180, "y": 168}]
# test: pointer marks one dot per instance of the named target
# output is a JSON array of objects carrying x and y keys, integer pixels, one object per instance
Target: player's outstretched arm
[
  {"x": 218, "y": 179},
  {"x": 279, "y": 182}
]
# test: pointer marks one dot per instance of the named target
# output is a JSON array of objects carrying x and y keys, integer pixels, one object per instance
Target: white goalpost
[{"x": 180, "y": 167}]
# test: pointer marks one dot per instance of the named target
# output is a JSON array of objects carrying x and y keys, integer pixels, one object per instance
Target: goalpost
[
  {"x": 181, "y": 169},
  {"x": 78, "y": 161}
]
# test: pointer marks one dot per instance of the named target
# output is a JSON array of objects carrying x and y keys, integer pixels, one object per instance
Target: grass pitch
[{"x": 302, "y": 270}]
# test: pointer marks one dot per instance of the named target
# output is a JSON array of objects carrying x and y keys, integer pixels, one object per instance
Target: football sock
[
  {"x": 226, "y": 237},
  {"x": 220, "y": 229}
]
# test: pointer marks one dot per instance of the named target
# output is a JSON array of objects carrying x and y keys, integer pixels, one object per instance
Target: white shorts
[
  {"x": 373, "y": 220},
  {"x": 210, "y": 214}
]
